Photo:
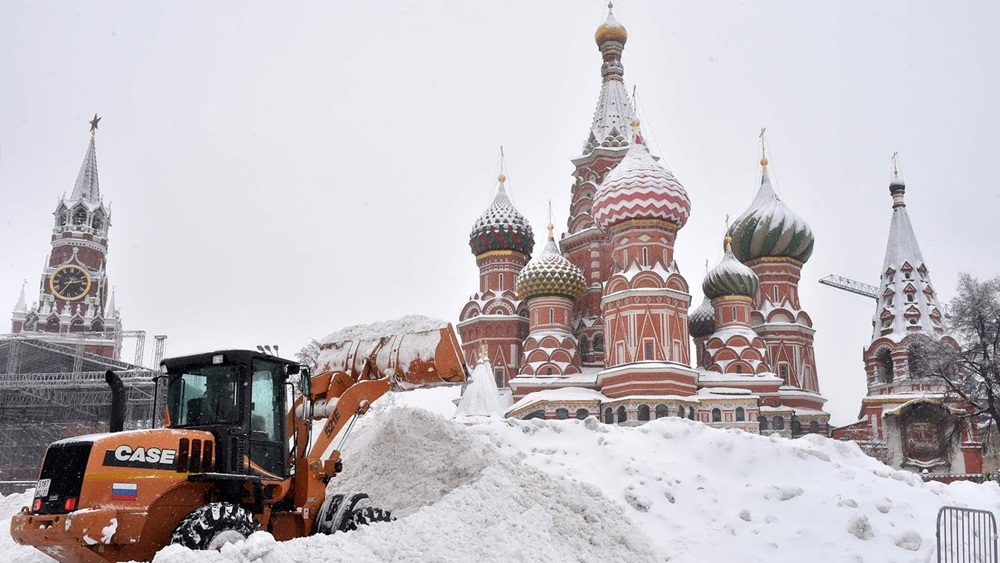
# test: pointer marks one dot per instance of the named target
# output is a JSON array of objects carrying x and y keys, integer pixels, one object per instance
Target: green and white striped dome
[
  {"x": 730, "y": 278},
  {"x": 770, "y": 229}
]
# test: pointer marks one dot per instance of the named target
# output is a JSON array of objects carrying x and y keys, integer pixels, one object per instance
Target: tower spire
[
  {"x": 22, "y": 306},
  {"x": 87, "y": 187}
]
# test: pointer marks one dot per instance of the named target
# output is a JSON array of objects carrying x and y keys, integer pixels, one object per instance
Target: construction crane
[{"x": 853, "y": 286}]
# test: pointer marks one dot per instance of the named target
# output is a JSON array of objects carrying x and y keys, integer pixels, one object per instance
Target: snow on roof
[
  {"x": 742, "y": 379},
  {"x": 775, "y": 410},
  {"x": 707, "y": 391},
  {"x": 564, "y": 394}
]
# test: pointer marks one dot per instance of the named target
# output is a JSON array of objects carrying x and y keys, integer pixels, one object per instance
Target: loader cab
[{"x": 240, "y": 396}]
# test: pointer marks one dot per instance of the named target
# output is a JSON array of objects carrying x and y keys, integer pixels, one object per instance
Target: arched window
[
  {"x": 739, "y": 368},
  {"x": 783, "y": 372},
  {"x": 536, "y": 414},
  {"x": 741, "y": 415},
  {"x": 609, "y": 416},
  {"x": 762, "y": 420},
  {"x": 645, "y": 257},
  {"x": 716, "y": 415},
  {"x": 62, "y": 218},
  {"x": 76, "y": 326},
  {"x": 884, "y": 366},
  {"x": 80, "y": 216},
  {"x": 599, "y": 343},
  {"x": 814, "y": 426},
  {"x": 796, "y": 427},
  {"x": 649, "y": 350},
  {"x": 52, "y": 325},
  {"x": 583, "y": 346},
  {"x": 622, "y": 415},
  {"x": 562, "y": 414},
  {"x": 691, "y": 413},
  {"x": 778, "y": 422},
  {"x": 97, "y": 222},
  {"x": 643, "y": 412},
  {"x": 498, "y": 374},
  {"x": 661, "y": 411},
  {"x": 552, "y": 315},
  {"x": 500, "y": 282},
  {"x": 548, "y": 370},
  {"x": 97, "y": 326},
  {"x": 582, "y": 414}
]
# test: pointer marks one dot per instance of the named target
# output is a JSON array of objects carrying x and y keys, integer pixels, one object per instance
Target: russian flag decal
[{"x": 124, "y": 491}]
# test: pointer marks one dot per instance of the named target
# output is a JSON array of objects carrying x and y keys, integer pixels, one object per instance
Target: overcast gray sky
[{"x": 278, "y": 171}]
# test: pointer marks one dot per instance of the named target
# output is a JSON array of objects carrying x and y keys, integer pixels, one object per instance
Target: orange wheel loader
[{"x": 236, "y": 454}]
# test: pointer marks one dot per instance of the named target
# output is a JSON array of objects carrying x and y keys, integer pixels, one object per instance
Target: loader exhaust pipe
[{"x": 117, "y": 422}]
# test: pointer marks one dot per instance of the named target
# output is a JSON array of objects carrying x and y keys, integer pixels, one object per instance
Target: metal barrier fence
[{"x": 966, "y": 535}]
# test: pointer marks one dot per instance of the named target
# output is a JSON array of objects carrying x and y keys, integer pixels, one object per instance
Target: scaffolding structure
[{"x": 51, "y": 391}]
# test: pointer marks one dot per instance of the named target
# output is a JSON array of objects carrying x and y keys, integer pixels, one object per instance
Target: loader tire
[
  {"x": 365, "y": 516},
  {"x": 214, "y": 525}
]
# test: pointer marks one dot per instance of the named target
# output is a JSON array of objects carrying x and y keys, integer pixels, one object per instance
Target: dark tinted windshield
[{"x": 202, "y": 396}]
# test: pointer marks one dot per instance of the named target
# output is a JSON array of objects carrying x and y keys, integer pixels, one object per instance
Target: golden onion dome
[{"x": 611, "y": 30}]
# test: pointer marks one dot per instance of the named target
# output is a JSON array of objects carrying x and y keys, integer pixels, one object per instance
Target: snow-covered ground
[{"x": 580, "y": 491}]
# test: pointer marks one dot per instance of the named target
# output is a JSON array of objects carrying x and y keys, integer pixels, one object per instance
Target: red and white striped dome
[{"x": 640, "y": 188}]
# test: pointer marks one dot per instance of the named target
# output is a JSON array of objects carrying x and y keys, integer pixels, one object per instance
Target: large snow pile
[{"x": 671, "y": 490}]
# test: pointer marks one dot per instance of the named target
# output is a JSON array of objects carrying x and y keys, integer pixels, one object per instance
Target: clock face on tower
[{"x": 70, "y": 282}]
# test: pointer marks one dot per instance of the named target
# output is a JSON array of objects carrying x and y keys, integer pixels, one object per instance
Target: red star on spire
[{"x": 93, "y": 124}]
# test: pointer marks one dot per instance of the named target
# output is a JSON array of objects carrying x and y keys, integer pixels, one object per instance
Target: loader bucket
[{"x": 412, "y": 352}]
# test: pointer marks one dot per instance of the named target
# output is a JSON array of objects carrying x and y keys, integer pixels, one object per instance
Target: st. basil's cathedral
[{"x": 601, "y": 322}]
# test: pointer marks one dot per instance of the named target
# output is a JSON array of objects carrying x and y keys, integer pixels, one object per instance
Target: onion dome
[
  {"x": 611, "y": 30},
  {"x": 550, "y": 274},
  {"x": 501, "y": 227},
  {"x": 701, "y": 321},
  {"x": 730, "y": 277},
  {"x": 640, "y": 188},
  {"x": 770, "y": 229}
]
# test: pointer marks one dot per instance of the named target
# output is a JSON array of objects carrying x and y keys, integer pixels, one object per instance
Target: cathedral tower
[
  {"x": 775, "y": 242},
  {"x": 550, "y": 285},
  {"x": 75, "y": 303},
  {"x": 909, "y": 419},
  {"x": 609, "y": 138},
  {"x": 502, "y": 241},
  {"x": 641, "y": 206}
]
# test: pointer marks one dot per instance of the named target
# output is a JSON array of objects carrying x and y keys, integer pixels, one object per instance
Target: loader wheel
[
  {"x": 365, "y": 516},
  {"x": 214, "y": 525}
]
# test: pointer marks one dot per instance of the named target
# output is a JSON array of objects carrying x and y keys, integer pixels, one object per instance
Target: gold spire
[
  {"x": 550, "y": 226},
  {"x": 727, "y": 241},
  {"x": 503, "y": 168},
  {"x": 763, "y": 153},
  {"x": 635, "y": 126}
]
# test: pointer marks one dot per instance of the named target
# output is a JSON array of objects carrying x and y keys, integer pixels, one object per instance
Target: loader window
[
  {"x": 267, "y": 412},
  {"x": 204, "y": 396}
]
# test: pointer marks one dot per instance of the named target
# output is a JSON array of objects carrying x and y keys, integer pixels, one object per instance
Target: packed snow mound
[
  {"x": 457, "y": 499},
  {"x": 703, "y": 494}
]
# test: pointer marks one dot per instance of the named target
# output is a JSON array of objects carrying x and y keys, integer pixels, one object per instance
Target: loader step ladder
[{"x": 966, "y": 535}]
